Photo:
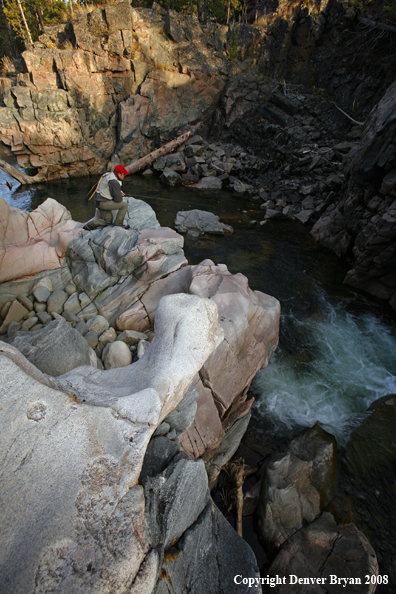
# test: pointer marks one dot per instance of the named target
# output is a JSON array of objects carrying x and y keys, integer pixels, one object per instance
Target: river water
[{"x": 337, "y": 350}]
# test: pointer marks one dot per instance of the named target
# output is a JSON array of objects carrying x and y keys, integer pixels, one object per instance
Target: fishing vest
[{"x": 103, "y": 188}]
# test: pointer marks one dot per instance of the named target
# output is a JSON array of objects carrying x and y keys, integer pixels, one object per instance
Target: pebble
[
  {"x": 92, "y": 338},
  {"x": 44, "y": 317},
  {"x": 40, "y": 307},
  {"x": 26, "y": 302},
  {"x": 41, "y": 294},
  {"x": 13, "y": 327},
  {"x": 29, "y": 323},
  {"x": 70, "y": 317}
]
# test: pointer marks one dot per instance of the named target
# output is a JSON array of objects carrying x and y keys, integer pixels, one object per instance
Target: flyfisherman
[{"x": 109, "y": 196}]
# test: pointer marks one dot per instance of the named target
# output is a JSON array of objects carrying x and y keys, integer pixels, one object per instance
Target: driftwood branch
[
  {"x": 148, "y": 159},
  {"x": 377, "y": 25},
  {"x": 348, "y": 116},
  {"x": 23, "y": 178}
]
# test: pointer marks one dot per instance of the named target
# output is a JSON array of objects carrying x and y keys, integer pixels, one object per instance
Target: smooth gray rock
[
  {"x": 56, "y": 301},
  {"x": 74, "y": 518},
  {"x": 159, "y": 454},
  {"x": 92, "y": 339},
  {"x": 226, "y": 556},
  {"x": 183, "y": 415},
  {"x": 41, "y": 294},
  {"x": 88, "y": 520},
  {"x": 170, "y": 507},
  {"x": 70, "y": 289},
  {"x": 81, "y": 327},
  {"x": 98, "y": 324},
  {"x": 44, "y": 317},
  {"x": 140, "y": 215},
  {"x": 29, "y": 323},
  {"x": 198, "y": 220},
  {"x": 26, "y": 302},
  {"x": 40, "y": 307},
  {"x": 57, "y": 316},
  {"x": 70, "y": 317},
  {"x": 130, "y": 337},
  {"x": 142, "y": 347},
  {"x": 117, "y": 354},
  {"x": 209, "y": 183},
  {"x": 55, "y": 349},
  {"x": 162, "y": 429},
  {"x": 72, "y": 304}
]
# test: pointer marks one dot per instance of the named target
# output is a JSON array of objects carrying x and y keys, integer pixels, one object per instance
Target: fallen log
[
  {"x": 163, "y": 150},
  {"x": 23, "y": 178}
]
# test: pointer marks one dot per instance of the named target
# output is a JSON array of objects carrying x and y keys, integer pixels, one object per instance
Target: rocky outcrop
[
  {"x": 366, "y": 479},
  {"x": 116, "y": 83},
  {"x": 317, "y": 555},
  {"x": 119, "y": 276},
  {"x": 297, "y": 485},
  {"x": 299, "y": 531},
  {"x": 250, "y": 323},
  {"x": 85, "y": 514},
  {"x": 96, "y": 523},
  {"x": 111, "y": 86},
  {"x": 361, "y": 225},
  {"x": 31, "y": 242}
]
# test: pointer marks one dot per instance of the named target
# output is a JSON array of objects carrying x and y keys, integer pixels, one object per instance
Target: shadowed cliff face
[{"x": 362, "y": 226}]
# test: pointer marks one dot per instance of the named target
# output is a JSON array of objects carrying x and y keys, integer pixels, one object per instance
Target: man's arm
[{"x": 115, "y": 190}]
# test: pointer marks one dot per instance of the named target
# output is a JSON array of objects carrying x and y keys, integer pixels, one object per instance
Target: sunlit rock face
[{"x": 111, "y": 85}]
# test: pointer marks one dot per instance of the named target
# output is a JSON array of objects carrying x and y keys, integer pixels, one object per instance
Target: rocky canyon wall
[
  {"x": 121, "y": 81},
  {"x": 361, "y": 224}
]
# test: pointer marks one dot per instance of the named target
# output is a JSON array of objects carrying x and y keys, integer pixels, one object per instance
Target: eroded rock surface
[
  {"x": 85, "y": 515},
  {"x": 250, "y": 320},
  {"x": 31, "y": 242}
]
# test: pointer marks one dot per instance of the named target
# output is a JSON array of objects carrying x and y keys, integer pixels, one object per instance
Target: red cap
[{"x": 121, "y": 169}]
